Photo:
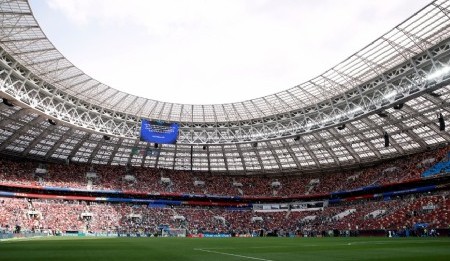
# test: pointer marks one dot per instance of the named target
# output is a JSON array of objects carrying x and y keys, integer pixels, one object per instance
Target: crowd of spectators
[
  {"x": 150, "y": 180},
  {"x": 61, "y": 216}
]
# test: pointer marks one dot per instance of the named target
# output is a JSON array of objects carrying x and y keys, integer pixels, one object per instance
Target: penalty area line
[{"x": 229, "y": 254}]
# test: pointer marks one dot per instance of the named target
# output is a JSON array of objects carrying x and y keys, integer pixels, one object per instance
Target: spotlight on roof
[
  {"x": 398, "y": 106},
  {"x": 255, "y": 144},
  {"x": 204, "y": 147},
  {"x": 297, "y": 138},
  {"x": 8, "y": 102},
  {"x": 52, "y": 122},
  {"x": 106, "y": 137},
  {"x": 382, "y": 114},
  {"x": 341, "y": 127},
  {"x": 156, "y": 145}
]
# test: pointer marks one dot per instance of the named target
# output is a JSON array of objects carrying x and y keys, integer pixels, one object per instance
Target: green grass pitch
[{"x": 264, "y": 249}]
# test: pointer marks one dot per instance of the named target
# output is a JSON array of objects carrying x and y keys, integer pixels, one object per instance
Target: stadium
[{"x": 352, "y": 164}]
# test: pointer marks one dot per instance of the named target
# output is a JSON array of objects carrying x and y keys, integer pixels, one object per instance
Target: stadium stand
[
  {"x": 149, "y": 180},
  {"x": 56, "y": 216},
  {"x": 359, "y": 150},
  {"x": 348, "y": 216}
]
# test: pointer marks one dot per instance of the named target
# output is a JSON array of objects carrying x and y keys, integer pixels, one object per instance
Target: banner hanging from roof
[{"x": 159, "y": 132}]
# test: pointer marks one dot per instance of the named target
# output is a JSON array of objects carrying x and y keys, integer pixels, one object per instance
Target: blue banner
[
  {"x": 216, "y": 235},
  {"x": 7, "y": 194},
  {"x": 336, "y": 193},
  {"x": 159, "y": 132},
  {"x": 409, "y": 191}
]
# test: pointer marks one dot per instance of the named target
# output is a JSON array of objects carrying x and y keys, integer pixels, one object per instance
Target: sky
[{"x": 213, "y": 51}]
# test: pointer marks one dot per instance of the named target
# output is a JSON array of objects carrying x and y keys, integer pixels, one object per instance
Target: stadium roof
[{"x": 295, "y": 129}]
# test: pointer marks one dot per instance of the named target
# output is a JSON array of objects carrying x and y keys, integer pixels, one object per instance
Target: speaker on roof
[
  {"x": 52, "y": 122},
  {"x": 156, "y": 145},
  {"x": 386, "y": 139},
  {"x": 255, "y": 144},
  {"x": 441, "y": 122},
  {"x": 106, "y": 137},
  {"x": 297, "y": 138},
  {"x": 204, "y": 147},
  {"x": 382, "y": 114},
  {"x": 7, "y": 102},
  {"x": 192, "y": 157},
  {"x": 341, "y": 127},
  {"x": 398, "y": 106}
]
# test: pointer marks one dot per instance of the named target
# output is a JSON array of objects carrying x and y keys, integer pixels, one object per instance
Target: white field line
[
  {"x": 19, "y": 239},
  {"x": 386, "y": 242},
  {"x": 257, "y": 247},
  {"x": 229, "y": 254},
  {"x": 48, "y": 238}
]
